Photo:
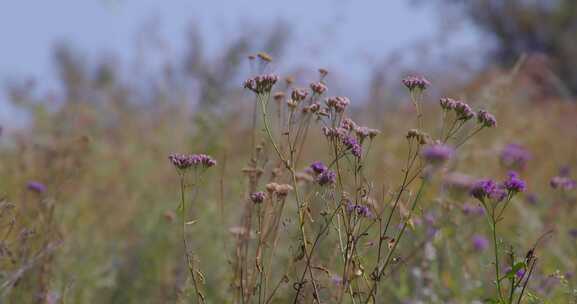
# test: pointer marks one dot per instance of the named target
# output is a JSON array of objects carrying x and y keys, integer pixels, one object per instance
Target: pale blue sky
[{"x": 333, "y": 33}]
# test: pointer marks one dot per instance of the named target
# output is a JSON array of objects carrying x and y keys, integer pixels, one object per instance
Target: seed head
[
  {"x": 278, "y": 96},
  {"x": 291, "y": 103},
  {"x": 264, "y": 56},
  {"x": 282, "y": 190}
]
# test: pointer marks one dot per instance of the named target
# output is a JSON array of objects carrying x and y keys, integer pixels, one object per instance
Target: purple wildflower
[
  {"x": 483, "y": 189},
  {"x": 563, "y": 183},
  {"x": 463, "y": 110},
  {"x": 532, "y": 199},
  {"x": 299, "y": 94},
  {"x": 514, "y": 156},
  {"x": 326, "y": 177},
  {"x": 318, "y": 87},
  {"x": 35, "y": 186},
  {"x": 318, "y": 167},
  {"x": 437, "y": 154},
  {"x": 360, "y": 210},
  {"x": 364, "y": 132},
  {"x": 514, "y": 184},
  {"x": 486, "y": 119},
  {"x": 348, "y": 124},
  {"x": 352, "y": 144},
  {"x": 498, "y": 194},
  {"x": 447, "y": 103},
  {"x": 261, "y": 83},
  {"x": 573, "y": 233},
  {"x": 183, "y": 162},
  {"x": 564, "y": 171},
  {"x": 257, "y": 197},
  {"x": 180, "y": 161},
  {"x": 339, "y": 103},
  {"x": 336, "y": 279},
  {"x": 416, "y": 82},
  {"x": 480, "y": 243}
]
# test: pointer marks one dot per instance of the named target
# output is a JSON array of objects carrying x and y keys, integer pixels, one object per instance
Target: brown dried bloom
[
  {"x": 264, "y": 56},
  {"x": 278, "y": 96}
]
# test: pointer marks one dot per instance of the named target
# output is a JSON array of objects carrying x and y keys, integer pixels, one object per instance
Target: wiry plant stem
[{"x": 189, "y": 257}]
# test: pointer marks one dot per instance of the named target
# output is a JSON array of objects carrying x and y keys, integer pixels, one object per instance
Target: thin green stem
[
  {"x": 496, "y": 251},
  {"x": 189, "y": 258},
  {"x": 397, "y": 240}
]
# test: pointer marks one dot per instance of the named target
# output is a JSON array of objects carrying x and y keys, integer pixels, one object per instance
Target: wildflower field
[{"x": 278, "y": 187}]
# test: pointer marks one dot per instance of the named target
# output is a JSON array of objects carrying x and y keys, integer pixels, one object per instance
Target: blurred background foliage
[{"x": 104, "y": 230}]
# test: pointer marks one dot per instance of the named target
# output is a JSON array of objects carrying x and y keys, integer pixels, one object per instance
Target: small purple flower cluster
[
  {"x": 338, "y": 103},
  {"x": 563, "y": 183},
  {"x": 324, "y": 176},
  {"x": 352, "y": 144},
  {"x": 462, "y": 109},
  {"x": 257, "y": 197},
  {"x": 35, "y": 186},
  {"x": 261, "y": 84},
  {"x": 318, "y": 88},
  {"x": 514, "y": 156},
  {"x": 514, "y": 184},
  {"x": 447, "y": 103},
  {"x": 486, "y": 119},
  {"x": 318, "y": 167},
  {"x": 360, "y": 210},
  {"x": 416, "y": 82},
  {"x": 437, "y": 154},
  {"x": 480, "y": 243},
  {"x": 299, "y": 94},
  {"x": 519, "y": 274},
  {"x": 183, "y": 162},
  {"x": 347, "y": 132},
  {"x": 361, "y": 132},
  {"x": 488, "y": 188},
  {"x": 327, "y": 177}
]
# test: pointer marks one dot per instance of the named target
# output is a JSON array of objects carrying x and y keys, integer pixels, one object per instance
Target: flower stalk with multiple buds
[{"x": 186, "y": 165}]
